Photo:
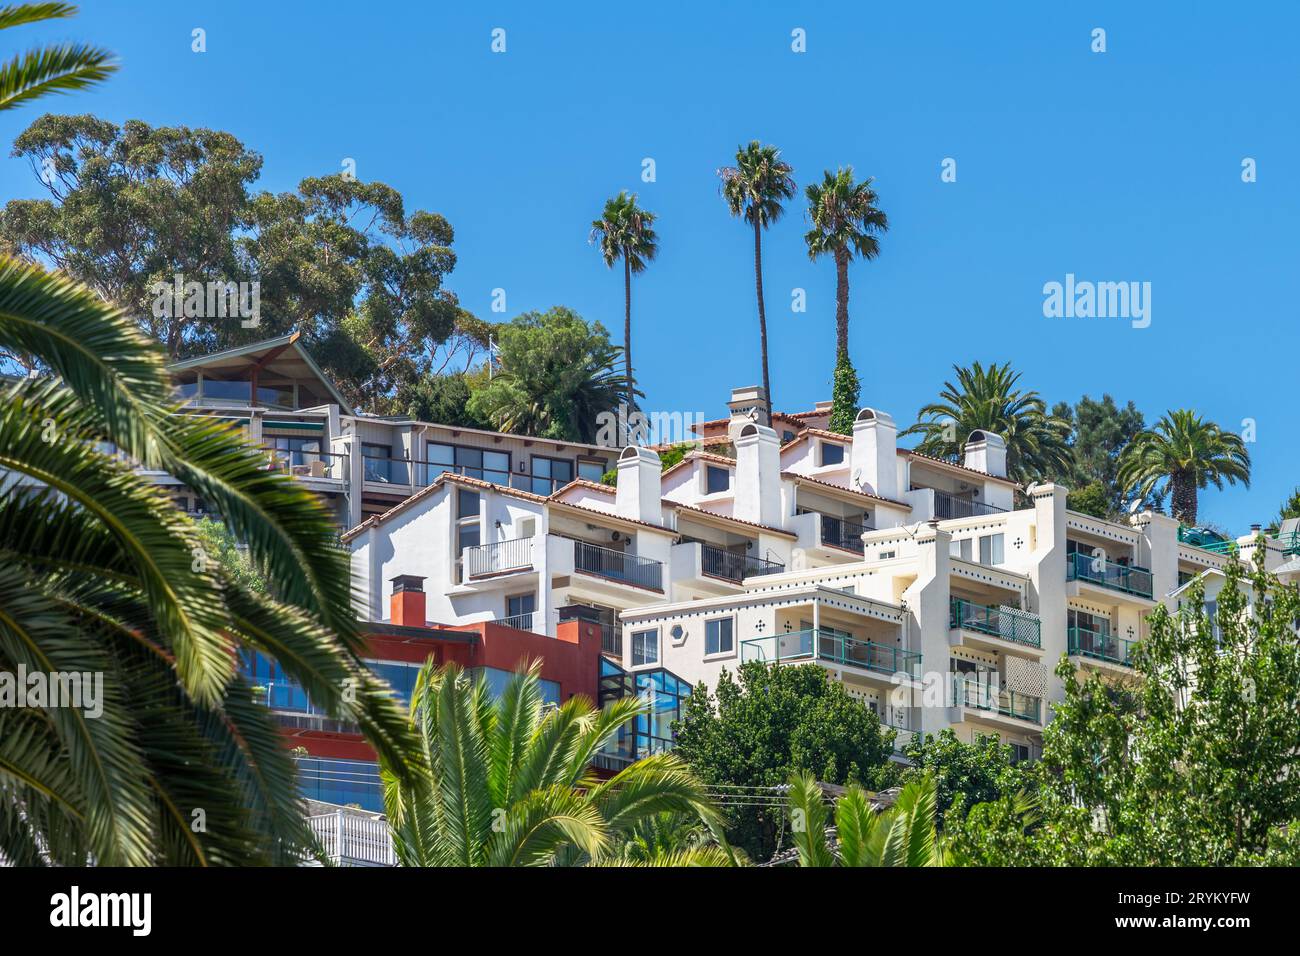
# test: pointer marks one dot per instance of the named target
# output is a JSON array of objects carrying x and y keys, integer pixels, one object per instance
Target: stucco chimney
[
  {"x": 758, "y": 475},
  {"x": 407, "y": 607},
  {"x": 874, "y": 458},
  {"x": 748, "y": 405},
  {"x": 638, "y": 494},
  {"x": 986, "y": 452}
]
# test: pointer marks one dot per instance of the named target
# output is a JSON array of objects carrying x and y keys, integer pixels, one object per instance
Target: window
[
  {"x": 960, "y": 549},
  {"x": 591, "y": 469},
  {"x": 718, "y": 636},
  {"x": 550, "y": 474},
  {"x": 379, "y": 464},
  {"x": 787, "y": 436},
  {"x": 645, "y": 647},
  {"x": 716, "y": 479},
  {"x": 1019, "y": 752},
  {"x": 493, "y": 466},
  {"x": 466, "y": 503},
  {"x": 467, "y": 527},
  {"x": 519, "y": 610},
  {"x": 991, "y": 549},
  {"x": 832, "y": 453}
]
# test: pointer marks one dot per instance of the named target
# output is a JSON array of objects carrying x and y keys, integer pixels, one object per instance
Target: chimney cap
[{"x": 408, "y": 582}]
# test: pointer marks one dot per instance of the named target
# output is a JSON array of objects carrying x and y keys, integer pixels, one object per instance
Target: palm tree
[
  {"x": 903, "y": 835},
  {"x": 754, "y": 189},
  {"x": 624, "y": 231},
  {"x": 1191, "y": 453},
  {"x": 508, "y": 783},
  {"x": 846, "y": 222},
  {"x": 52, "y": 69},
  {"x": 102, "y": 574},
  {"x": 987, "y": 399}
]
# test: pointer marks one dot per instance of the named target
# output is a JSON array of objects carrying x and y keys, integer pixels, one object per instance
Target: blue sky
[{"x": 1120, "y": 166}]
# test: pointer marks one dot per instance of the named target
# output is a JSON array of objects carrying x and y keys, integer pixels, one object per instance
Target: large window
[
  {"x": 467, "y": 527},
  {"x": 591, "y": 469},
  {"x": 295, "y": 451},
  {"x": 550, "y": 474},
  {"x": 380, "y": 465},
  {"x": 832, "y": 453},
  {"x": 493, "y": 466},
  {"x": 645, "y": 647},
  {"x": 719, "y": 636}
]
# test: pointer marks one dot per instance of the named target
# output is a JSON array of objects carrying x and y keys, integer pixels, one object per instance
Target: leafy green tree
[
  {"x": 987, "y": 399},
  {"x": 626, "y": 231},
  {"x": 667, "y": 458},
  {"x": 1290, "y": 509},
  {"x": 1092, "y": 499},
  {"x": 1193, "y": 764},
  {"x": 1100, "y": 431},
  {"x": 220, "y": 545},
  {"x": 902, "y": 835},
  {"x": 101, "y": 574},
  {"x": 558, "y": 375},
  {"x": 445, "y": 399},
  {"x": 963, "y": 774},
  {"x": 509, "y": 783},
  {"x": 1190, "y": 453},
  {"x": 49, "y": 69},
  {"x": 846, "y": 224},
  {"x": 771, "y": 721},
  {"x": 133, "y": 206},
  {"x": 754, "y": 189}
]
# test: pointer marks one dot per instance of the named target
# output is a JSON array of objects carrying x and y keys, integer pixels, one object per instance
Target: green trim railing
[
  {"x": 830, "y": 646},
  {"x": 979, "y": 694},
  {"x": 1289, "y": 542},
  {"x": 1108, "y": 574},
  {"x": 1206, "y": 541},
  {"x": 1008, "y": 623},
  {"x": 1100, "y": 645}
]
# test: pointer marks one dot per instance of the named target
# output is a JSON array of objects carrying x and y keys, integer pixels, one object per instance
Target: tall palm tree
[
  {"x": 625, "y": 231},
  {"x": 753, "y": 190},
  {"x": 51, "y": 69},
  {"x": 1191, "y": 453},
  {"x": 987, "y": 399},
  {"x": 846, "y": 223},
  {"x": 507, "y": 783},
  {"x": 101, "y": 573},
  {"x": 903, "y": 835}
]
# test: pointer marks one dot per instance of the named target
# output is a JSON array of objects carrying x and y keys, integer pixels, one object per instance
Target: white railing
[
  {"x": 513, "y": 555},
  {"x": 354, "y": 839}
]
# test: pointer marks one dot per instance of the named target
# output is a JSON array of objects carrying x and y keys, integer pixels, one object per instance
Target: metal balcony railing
[
  {"x": 833, "y": 647},
  {"x": 611, "y": 640},
  {"x": 1101, "y": 646},
  {"x": 948, "y": 505},
  {"x": 1117, "y": 577},
  {"x": 520, "y": 622},
  {"x": 843, "y": 534},
  {"x": 718, "y": 562},
  {"x": 486, "y": 559},
  {"x": 1008, "y": 623},
  {"x": 618, "y": 566},
  {"x": 980, "y": 694}
]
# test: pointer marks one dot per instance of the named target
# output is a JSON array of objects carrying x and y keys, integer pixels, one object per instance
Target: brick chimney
[{"x": 406, "y": 606}]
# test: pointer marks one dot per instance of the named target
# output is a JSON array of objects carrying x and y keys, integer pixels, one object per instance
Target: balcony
[
  {"x": 833, "y": 648},
  {"x": 1124, "y": 578},
  {"x": 520, "y": 622},
  {"x": 1206, "y": 540},
  {"x": 948, "y": 506},
  {"x": 503, "y": 557},
  {"x": 350, "y": 838},
  {"x": 413, "y": 474},
  {"x": 716, "y": 562},
  {"x": 1100, "y": 646},
  {"x": 980, "y": 695},
  {"x": 1006, "y": 623},
  {"x": 321, "y": 465},
  {"x": 841, "y": 533},
  {"x": 618, "y": 566}
]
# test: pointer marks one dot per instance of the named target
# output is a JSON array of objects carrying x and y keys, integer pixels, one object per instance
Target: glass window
[
  {"x": 467, "y": 536},
  {"x": 550, "y": 474},
  {"x": 832, "y": 453},
  {"x": 991, "y": 549},
  {"x": 466, "y": 503},
  {"x": 960, "y": 549},
  {"x": 591, "y": 470},
  {"x": 517, "y": 604},
  {"x": 716, "y": 479},
  {"x": 645, "y": 647},
  {"x": 496, "y": 467},
  {"x": 718, "y": 638}
]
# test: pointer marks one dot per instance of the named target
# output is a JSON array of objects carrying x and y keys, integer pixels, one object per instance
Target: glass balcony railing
[
  {"x": 831, "y": 646},
  {"x": 716, "y": 562},
  {"x": 308, "y": 464},
  {"x": 1108, "y": 574},
  {"x": 1008, "y": 623},
  {"x": 1101, "y": 646}
]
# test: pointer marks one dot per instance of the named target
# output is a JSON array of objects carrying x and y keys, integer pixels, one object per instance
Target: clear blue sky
[{"x": 1117, "y": 166}]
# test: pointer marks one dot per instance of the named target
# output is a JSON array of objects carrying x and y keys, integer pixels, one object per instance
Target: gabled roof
[
  {"x": 693, "y": 511},
  {"x": 842, "y": 489},
  {"x": 820, "y": 433},
  {"x": 700, "y": 456},
  {"x": 943, "y": 462},
  {"x": 257, "y": 354}
]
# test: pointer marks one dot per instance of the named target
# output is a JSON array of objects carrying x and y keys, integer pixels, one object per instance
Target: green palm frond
[
  {"x": 625, "y": 231},
  {"x": 808, "y": 821},
  {"x": 57, "y": 69}
]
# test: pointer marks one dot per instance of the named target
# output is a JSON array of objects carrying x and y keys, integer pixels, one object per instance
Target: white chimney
[
  {"x": 986, "y": 452},
  {"x": 748, "y": 405},
  {"x": 874, "y": 459},
  {"x": 758, "y": 475},
  {"x": 638, "y": 494}
]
